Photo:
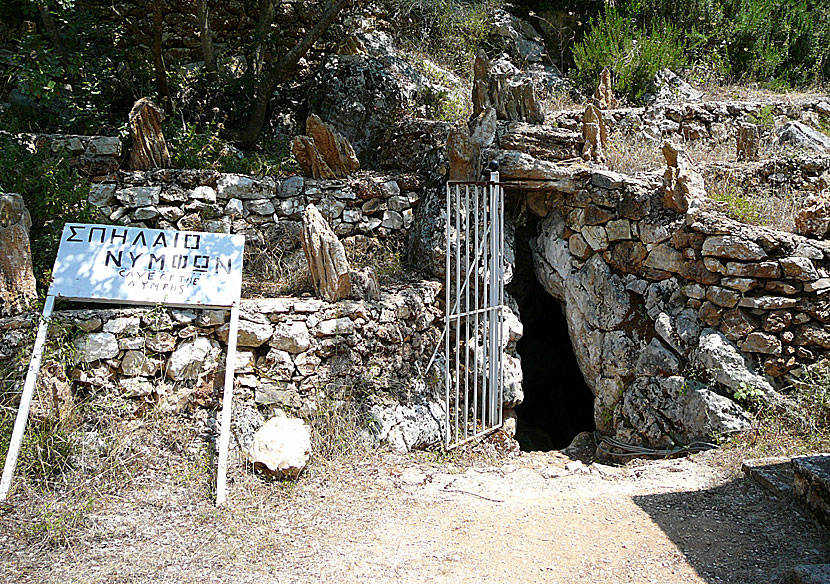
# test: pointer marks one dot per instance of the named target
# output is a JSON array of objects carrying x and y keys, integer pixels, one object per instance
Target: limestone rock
[
  {"x": 292, "y": 337},
  {"x": 189, "y": 358},
  {"x": 326, "y": 257},
  {"x": 95, "y": 346},
  {"x": 813, "y": 219},
  {"x": 462, "y": 154},
  {"x": 520, "y": 166},
  {"x": 502, "y": 86},
  {"x": 723, "y": 360},
  {"x": 803, "y": 137},
  {"x": 249, "y": 333},
  {"x": 682, "y": 184},
  {"x": 604, "y": 95},
  {"x": 282, "y": 445},
  {"x": 149, "y": 148},
  {"x": 595, "y": 134},
  {"x": 406, "y": 427},
  {"x": 669, "y": 410},
  {"x": 672, "y": 89},
  {"x": 17, "y": 279},
  {"x": 324, "y": 152}
]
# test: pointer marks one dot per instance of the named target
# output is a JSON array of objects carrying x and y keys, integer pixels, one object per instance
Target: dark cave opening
[{"x": 558, "y": 404}]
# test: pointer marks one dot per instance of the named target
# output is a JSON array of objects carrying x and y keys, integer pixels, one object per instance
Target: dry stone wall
[
  {"x": 716, "y": 120},
  {"x": 93, "y": 156},
  {"x": 296, "y": 354},
  {"x": 265, "y": 209},
  {"x": 670, "y": 313}
]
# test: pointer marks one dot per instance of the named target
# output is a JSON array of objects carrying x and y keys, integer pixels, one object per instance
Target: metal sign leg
[
  {"x": 26, "y": 400},
  {"x": 227, "y": 408}
]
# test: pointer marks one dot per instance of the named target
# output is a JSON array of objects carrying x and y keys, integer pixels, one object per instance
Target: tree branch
[{"x": 281, "y": 71}]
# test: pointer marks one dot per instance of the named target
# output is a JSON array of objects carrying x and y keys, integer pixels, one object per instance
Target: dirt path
[{"x": 398, "y": 519}]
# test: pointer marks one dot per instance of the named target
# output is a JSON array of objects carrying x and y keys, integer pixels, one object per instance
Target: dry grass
[
  {"x": 745, "y": 196},
  {"x": 280, "y": 269},
  {"x": 714, "y": 91},
  {"x": 630, "y": 153},
  {"x": 554, "y": 102}
]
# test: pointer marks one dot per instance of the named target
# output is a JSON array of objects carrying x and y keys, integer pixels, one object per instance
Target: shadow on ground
[{"x": 738, "y": 532}]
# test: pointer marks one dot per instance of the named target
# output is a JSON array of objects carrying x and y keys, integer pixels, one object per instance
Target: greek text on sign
[{"x": 148, "y": 266}]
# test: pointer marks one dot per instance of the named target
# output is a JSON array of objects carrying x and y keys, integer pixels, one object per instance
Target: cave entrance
[{"x": 558, "y": 404}]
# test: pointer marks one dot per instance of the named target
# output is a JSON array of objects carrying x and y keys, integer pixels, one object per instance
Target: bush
[
  {"x": 450, "y": 30},
  {"x": 779, "y": 40},
  {"x": 192, "y": 146},
  {"x": 634, "y": 54},
  {"x": 54, "y": 194}
]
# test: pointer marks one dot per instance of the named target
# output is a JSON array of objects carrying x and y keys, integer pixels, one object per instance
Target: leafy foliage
[
  {"x": 451, "y": 30},
  {"x": 54, "y": 194},
  {"x": 195, "y": 147},
  {"x": 632, "y": 52}
]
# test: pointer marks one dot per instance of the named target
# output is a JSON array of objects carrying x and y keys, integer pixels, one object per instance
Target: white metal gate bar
[{"x": 474, "y": 289}]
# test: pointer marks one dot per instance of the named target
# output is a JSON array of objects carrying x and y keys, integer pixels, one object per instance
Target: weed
[
  {"x": 739, "y": 206},
  {"x": 58, "y": 523},
  {"x": 764, "y": 117},
  {"x": 337, "y": 427},
  {"x": 194, "y": 146},
  {"x": 54, "y": 194}
]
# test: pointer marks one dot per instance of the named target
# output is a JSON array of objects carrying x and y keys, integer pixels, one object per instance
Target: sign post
[{"x": 132, "y": 265}]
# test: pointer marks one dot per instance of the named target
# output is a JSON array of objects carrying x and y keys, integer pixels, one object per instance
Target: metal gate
[{"x": 473, "y": 376}]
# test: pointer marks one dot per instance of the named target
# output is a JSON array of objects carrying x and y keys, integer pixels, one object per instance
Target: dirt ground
[{"x": 421, "y": 518}]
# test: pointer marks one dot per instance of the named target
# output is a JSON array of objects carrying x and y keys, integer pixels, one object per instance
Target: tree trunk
[
  {"x": 208, "y": 52},
  {"x": 162, "y": 85},
  {"x": 263, "y": 24},
  {"x": 51, "y": 29},
  {"x": 280, "y": 71}
]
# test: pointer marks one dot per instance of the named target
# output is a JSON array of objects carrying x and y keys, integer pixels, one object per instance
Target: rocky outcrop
[
  {"x": 501, "y": 86},
  {"x": 801, "y": 136},
  {"x": 363, "y": 96},
  {"x": 604, "y": 94},
  {"x": 672, "y": 308},
  {"x": 149, "y": 148},
  {"x": 17, "y": 280},
  {"x": 324, "y": 152}
]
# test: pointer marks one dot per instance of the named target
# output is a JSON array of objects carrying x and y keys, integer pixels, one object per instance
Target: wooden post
[
  {"x": 227, "y": 408},
  {"x": 26, "y": 400}
]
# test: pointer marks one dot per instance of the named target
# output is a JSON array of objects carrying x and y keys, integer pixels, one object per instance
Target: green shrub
[
  {"x": 54, "y": 194},
  {"x": 451, "y": 31},
  {"x": 192, "y": 146},
  {"x": 779, "y": 40},
  {"x": 634, "y": 54}
]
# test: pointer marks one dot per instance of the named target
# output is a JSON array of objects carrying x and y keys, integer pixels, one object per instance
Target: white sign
[{"x": 148, "y": 266}]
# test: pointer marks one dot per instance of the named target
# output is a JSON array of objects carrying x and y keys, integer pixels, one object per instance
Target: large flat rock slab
[
  {"x": 811, "y": 484},
  {"x": 774, "y": 474}
]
